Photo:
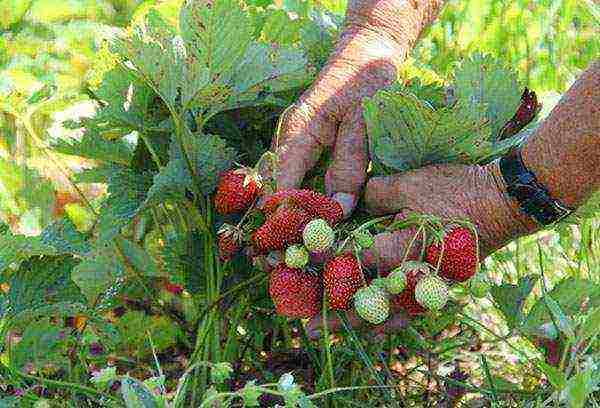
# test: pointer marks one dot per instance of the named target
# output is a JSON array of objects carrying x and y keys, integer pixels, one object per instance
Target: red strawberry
[
  {"x": 173, "y": 288},
  {"x": 236, "y": 191},
  {"x": 229, "y": 242},
  {"x": 342, "y": 277},
  {"x": 406, "y": 299},
  {"x": 281, "y": 230},
  {"x": 295, "y": 293},
  {"x": 315, "y": 204},
  {"x": 459, "y": 261}
]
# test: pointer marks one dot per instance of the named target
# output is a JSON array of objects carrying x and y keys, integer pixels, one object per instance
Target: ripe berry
[
  {"x": 318, "y": 235},
  {"x": 315, "y": 204},
  {"x": 281, "y": 230},
  {"x": 406, "y": 299},
  {"x": 459, "y": 260},
  {"x": 236, "y": 191},
  {"x": 342, "y": 277},
  {"x": 371, "y": 304},
  {"x": 431, "y": 292},
  {"x": 295, "y": 293},
  {"x": 229, "y": 242},
  {"x": 296, "y": 256}
]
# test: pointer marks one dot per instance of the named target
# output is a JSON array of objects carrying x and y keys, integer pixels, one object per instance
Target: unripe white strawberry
[
  {"x": 318, "y": 235},
  {"x": 296, "y": 256},
  {"x": 396, "y": 280},
  {"x": 479, "y": 285},
  {"x": 364, "y": 239},
  {"x": 432, "y": 292},
  {"x": 371, "y": 304}
]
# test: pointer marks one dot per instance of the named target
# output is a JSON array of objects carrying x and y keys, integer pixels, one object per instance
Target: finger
[
  {"x": 389, "y": 249},
  {"x": 304, "y": 133},
  {"x": 422, "y": 187},
  {"x": 384, "y": 195},
  {"x": 315, "y": 327},
  {"x": 347, "y": 173}
]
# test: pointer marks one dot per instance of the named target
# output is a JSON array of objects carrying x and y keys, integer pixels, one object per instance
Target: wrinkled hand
[
  {"x": 449, "y": 191},
  {"x": 329, "y": 115}
]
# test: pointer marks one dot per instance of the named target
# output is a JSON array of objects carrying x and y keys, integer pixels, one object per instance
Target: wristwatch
[{"x": 533, "y": 198}]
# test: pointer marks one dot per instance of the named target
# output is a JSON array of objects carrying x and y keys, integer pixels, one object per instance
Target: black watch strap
[{"x": 533, "y": 198}]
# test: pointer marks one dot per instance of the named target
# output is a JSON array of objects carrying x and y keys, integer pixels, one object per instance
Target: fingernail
[{"x": 347, "y": 201}]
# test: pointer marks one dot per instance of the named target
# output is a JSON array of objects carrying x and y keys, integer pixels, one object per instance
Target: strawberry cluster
[{"x": 299, "y": 225}]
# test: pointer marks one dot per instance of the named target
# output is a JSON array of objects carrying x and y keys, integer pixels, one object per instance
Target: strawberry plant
[{"x": 178, "y": 286}]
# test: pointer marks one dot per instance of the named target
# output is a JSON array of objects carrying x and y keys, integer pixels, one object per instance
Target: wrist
[{"x": 499, "y": 217}]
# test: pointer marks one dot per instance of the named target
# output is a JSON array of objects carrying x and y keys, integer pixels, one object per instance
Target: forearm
[{"x": 564, "y": 153}]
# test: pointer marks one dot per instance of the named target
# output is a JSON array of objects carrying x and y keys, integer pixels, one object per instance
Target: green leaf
[
  {"x": 135, "y": 329},
  {"x": 264, "y": 69},
  {"x": 97, "y": 274},
  {"x": 104, "y": 377},
  {"x": 93, "y": 146},
  {"x": 16, "y": 248},
  {"x": 511, "y": 298},
  {"x": 591, "y": 324},
  {"x": 564, "y": 323},
  {"x": 160, "y": 59},
  {"x": 42, "y": 343},
  {"x": 127, "y": 98},
  {"x": 250, "y": 394},
  {"x": 64, "y": 237},
  {"x": 580, "y": 387},
  {"x": 220, "y": 372},
  {"x": 100, "y": 174},
  {"x": 67, "y": 309},
  {"x": 569, "y": 294},
  {"x": 136, "y": 394},
  {"x": 209, "y": 156},
  {"x": 407, "y": 133},
  {"x": 138, "y": 258},
  {"x": 126, "y": 193},
  {"x": 556, "y": 377},
  {"x": 183, "y": 257},
  {"x": 217, "y": 35},
  {"x": 42, "y": 281},
  {"x": 484, "y": 85}
]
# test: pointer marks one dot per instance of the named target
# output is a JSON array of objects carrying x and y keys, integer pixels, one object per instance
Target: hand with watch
[{"x": 556, "y": 171}]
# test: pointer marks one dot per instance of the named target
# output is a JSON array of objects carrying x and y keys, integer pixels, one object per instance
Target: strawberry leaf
[
  {"x": 406, "y": 133},
  {"x": 488, "y": 90}
]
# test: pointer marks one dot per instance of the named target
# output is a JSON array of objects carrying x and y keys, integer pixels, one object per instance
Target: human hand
[
  {"x": 378, "y": 36},
  {"x": 473, "y": 193}
]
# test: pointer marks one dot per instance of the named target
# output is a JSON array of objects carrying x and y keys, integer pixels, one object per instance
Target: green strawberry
[
  {"x": 379, "y": 282},
  {"x": 364, "y": 239},
  {"x": 396, "y": 280},
  {"x": 431, "y": 292},
  {"x": 371, "y": 303},
  {"x": 296, "y": 256},
  {"x": 318, "y": 235},
  {"x": 479, "y": 285}
]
